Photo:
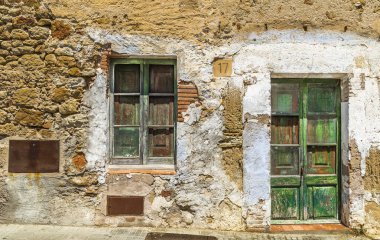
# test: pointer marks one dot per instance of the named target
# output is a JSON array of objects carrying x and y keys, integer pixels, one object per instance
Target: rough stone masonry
[{"x": 54, "y": 84}]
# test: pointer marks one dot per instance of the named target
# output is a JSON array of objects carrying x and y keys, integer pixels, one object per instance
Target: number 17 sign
[{"x": 222, "y": 67}]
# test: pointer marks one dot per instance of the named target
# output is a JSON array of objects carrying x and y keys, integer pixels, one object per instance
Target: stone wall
[
  {"x": 55, "y": 85},
  {"x": 47, "y": 64}
]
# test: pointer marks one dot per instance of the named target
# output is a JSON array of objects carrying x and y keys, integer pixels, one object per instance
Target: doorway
[{"x": 305, "y": 150}]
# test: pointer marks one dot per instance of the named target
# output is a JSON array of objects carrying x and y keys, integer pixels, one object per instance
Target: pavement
[{"x": 49, "y": 232}]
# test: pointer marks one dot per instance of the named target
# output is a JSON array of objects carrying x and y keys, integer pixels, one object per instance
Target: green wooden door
[{"x": 305, "y": 149}]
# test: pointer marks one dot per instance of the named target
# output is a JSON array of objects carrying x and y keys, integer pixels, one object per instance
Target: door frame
[{"x": 342, "y": 141}]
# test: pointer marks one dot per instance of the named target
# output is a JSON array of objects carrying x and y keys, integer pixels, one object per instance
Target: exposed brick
[{"x": 187, "y": 94}]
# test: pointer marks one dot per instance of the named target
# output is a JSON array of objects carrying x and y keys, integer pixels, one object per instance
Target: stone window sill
[{"x": 146, "y": 169}]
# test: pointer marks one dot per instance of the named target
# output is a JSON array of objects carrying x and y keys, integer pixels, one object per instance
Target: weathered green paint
[
  {"x": 284, "y": 160},
  {"x": 285, "y": 203},
  {"x": 285, "y": 98},
  {"x": 322, "y": 202},
  {"x": 313, "y": 130},
  {"x": 285, "y": 181},
  {"x": 126, "y": 142},
  {"x": 321, "y": 160},
  {"x": 144, "y": 111},
  {"x": 320, "y": 180}
]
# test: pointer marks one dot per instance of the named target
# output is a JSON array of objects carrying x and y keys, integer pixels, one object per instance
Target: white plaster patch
[
  {"x": 256, "y": 146},
  {"x": 97, "y": 145}
]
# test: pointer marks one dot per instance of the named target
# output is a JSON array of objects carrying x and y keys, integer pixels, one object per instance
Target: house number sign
[{"x": 222, "y": 67}]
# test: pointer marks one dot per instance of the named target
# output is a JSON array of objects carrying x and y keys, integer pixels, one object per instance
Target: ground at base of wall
[{"x": 34, "y": 232}]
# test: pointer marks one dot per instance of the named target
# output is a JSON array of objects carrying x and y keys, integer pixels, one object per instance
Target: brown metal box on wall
[
  {"x": 125, "y": 205},
  {"x": 33, "y": 156}
]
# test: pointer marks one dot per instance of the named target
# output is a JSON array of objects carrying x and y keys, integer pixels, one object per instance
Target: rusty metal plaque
[
  {"x": 125, "y": 205},
  {"x": 33, "y": 156},
  {"x": 176, "y": 236}
]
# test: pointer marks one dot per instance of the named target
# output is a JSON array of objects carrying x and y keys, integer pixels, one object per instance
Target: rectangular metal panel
[
  {"x": 125, "y": 205},
  {"x": 33, "y": 156}
]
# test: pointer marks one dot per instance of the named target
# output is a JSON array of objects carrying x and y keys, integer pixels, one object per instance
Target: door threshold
[
  {"x": 304, "y": 222},
  {"x": 322, "y": 228}
]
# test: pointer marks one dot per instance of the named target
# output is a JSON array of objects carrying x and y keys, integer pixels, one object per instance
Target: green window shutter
[{"x": 143, "y": 111}]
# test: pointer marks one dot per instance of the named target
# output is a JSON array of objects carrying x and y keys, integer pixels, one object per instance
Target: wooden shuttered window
[{"x": 143, "y": 111}]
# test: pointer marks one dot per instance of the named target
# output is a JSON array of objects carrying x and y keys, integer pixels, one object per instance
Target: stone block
[
  {"x": 19, "y": 34},
  {"x": 22, "y": 50},
  {"x": 60, "y": 94},
  {"x": 66, "y": 61},
  {"x": 39, "y": 32},
  {"x": 26, "y": 97},
  {"x": 3, "y": 116},
  {"x": 86, "y": 180},
  {"x": 69, "y": 107},
  {"x": 29, "y": 117},
  {"x": 65, "y": 51},
  {"x": 61, "y": 29},
  {"x": 6, "y": 44},
  {"x": 32, "y": 60},
  {"x": 50, "y": 59},
  {"x": 3, "y": 52}
]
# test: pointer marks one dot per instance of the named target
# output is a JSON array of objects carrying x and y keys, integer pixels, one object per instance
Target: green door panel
[
  {"x": 321, "y": 160},
  {"x": 321, "y": 130},
  {"x": 285, "y": 130},
  {"x": 320, "y": 180},
  {"x": 285, "y": 98},
  {"x": 284, "y": 160},
  {"x": 285, "y": 203},
  {"x": 322, "y": 202},
  {"x": 321, "y": 99},
  {"x": 294, "y": 181}
]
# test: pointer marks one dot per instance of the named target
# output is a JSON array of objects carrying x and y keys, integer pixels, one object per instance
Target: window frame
[{"x": 143, "y": 159}]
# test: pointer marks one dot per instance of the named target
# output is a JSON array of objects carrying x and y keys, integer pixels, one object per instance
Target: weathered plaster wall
[{"x": 52, "y": 88}]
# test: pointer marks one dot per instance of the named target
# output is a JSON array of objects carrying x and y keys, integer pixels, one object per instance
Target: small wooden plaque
[{"x": 222, "y": 68}]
